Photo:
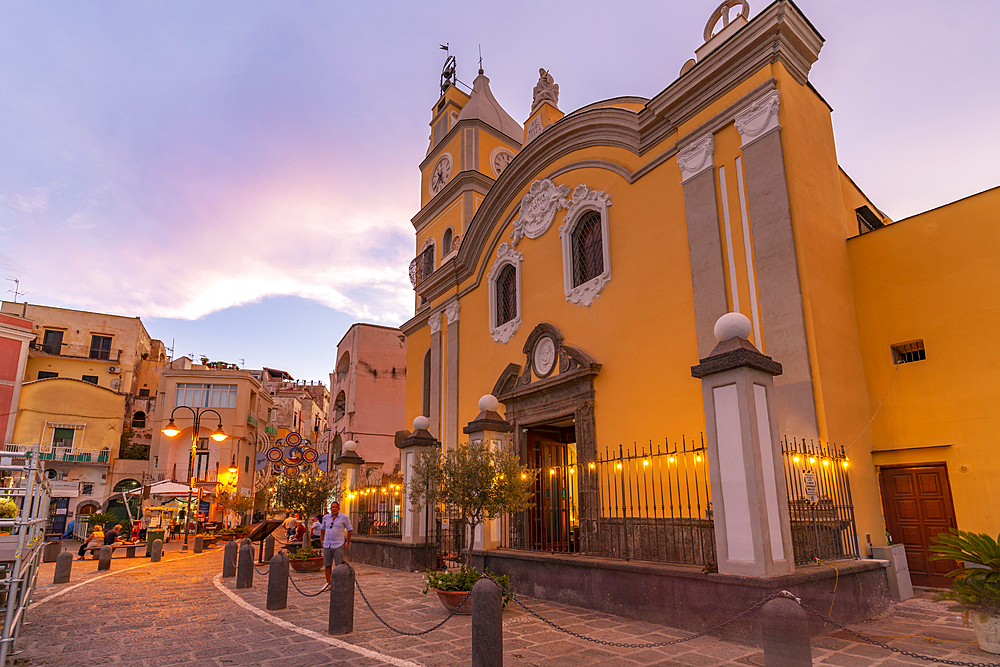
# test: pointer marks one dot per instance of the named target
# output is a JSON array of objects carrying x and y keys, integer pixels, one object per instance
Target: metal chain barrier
[
  {"x": 874, "y": 642},
  {"x": 258, "y": 570},
  {"x": 308, "y": 595},
  {"x": 397, "y": 630},
  {"x": 744, "y": 614}
]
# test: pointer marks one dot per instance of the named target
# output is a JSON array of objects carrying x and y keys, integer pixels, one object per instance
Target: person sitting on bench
[
  {"x": 111, "y": 536},
  {"x": 97, "y": 533}
]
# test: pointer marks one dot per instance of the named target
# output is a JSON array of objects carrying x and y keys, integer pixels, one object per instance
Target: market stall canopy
[{"x": 168, "y": 488}]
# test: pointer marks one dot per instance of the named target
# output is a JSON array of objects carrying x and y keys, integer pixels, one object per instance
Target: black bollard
[
  {"x": 341, "y": 600},
  {"x": 785, "y": 630},
  {"x": 199, "y": 543},
  {"x": 104, "y": 560},
  {"x": 244, "y": 567},
  {"x": 487, "y": 624},
  {"x": 51, "y": 551},
  {"x": 277, "y": 582},
  {"x": 64, "y": 567},
  {"x": 269, "y": 548},
  {"x": 156, "y": 551},
  {"x": 229, "y": 559}
]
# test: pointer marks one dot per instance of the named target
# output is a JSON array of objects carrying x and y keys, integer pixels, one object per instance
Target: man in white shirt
[
  {"x": 336, "y": 533},
  {"x": 290, "y": 524}
]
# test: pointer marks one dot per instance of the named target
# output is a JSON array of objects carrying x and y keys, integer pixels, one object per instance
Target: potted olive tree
[
  {"x": 975, "y": 587},
  {"x": 477, "y": 481}
]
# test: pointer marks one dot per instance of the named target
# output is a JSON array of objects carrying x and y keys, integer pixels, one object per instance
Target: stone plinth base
[
  {"x": 393, "y": 554},
  {"x": 682, "y": 596}
]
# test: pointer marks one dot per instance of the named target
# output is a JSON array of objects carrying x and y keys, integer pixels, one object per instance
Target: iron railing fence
[
  {"x": 648, "y": 502},
  {"x": 450, "y": 532},
  {"x": 21, "y": 549},
  {"x": 376, "y": 509},
  {"x": 820, "y": 506}
]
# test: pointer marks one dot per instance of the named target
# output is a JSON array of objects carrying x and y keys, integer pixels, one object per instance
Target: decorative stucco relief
[
  {"x": 697, "y": 157},
  {"x": 538, "y": 209},
  {"x": 434, "y": 322},
  {"x": 759, "y": 118},
  {"x": 451, "y": 311}
]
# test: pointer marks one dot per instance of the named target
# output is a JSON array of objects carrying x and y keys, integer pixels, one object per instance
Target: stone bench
[{"x": 129, "y": 549}]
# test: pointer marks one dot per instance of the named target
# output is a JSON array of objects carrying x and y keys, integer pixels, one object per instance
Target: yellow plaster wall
[
  {"x": 639, "y": 396},
  {"x": 71, "y": 368},
  {"x": 934, "y": 277},
  {"x": 487, "y": 142},
  {"x": 820, "y": 228},
  {"x": 452, "y": 217},
  {"x": 78, "y": 403}
]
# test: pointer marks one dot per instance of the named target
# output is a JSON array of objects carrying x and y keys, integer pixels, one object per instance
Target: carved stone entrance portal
[{"x": 556, "y": 385}]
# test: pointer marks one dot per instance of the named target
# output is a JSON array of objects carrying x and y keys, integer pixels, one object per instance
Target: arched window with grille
[
  {"x": 506, "y": 294},
  {"x": 585, "y": 246},
  {"x": 139, "y": 419},
  {"x": 504, "y": 282},
  {"x": 588, "y": 248}
]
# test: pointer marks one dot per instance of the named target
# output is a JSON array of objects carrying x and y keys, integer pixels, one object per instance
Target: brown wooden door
[{"x": 918, "y": 506}]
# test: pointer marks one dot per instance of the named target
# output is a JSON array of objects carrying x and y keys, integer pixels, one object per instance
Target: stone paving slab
[{"x": 178, "y": 612}]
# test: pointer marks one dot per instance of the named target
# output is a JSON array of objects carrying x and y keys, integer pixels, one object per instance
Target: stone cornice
[
  {"x": 735, "y": 353},
  {"x": 780, "y": 33},
  {"x": 464, "y": 180},
  {"x": 439, "y": 147}
]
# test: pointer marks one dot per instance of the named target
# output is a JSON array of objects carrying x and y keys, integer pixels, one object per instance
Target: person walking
[
  {"x": 289, "y": 525},
  {"x": 335, "y": 532}
]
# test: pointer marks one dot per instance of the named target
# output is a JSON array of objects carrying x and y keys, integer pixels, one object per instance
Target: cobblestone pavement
[{"x": 179, "y": 612}]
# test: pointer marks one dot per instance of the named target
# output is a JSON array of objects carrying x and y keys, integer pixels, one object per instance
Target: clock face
[
  {"x": 501, "y": 158},
  {"x": 440, "y": 174}
]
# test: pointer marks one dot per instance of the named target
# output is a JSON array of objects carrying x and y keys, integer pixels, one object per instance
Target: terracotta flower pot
[
  {"x": 307, "y": 564},
  {"x": 452, "y": 599}
]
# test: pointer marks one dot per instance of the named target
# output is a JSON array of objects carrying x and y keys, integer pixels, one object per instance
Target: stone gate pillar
[
  {"x": 417, "y": 523},
  {"x": 350, "y": 463},
  {"x": 749, "y": 500},
  {"x": 489, "y": 427}
]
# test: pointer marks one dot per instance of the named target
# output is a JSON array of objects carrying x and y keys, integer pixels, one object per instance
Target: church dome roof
[{"x": 483, "y": 106}]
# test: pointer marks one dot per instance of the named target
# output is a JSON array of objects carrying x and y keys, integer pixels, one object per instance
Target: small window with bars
[
  {"x": 904, "y": 353},
  {"x": 588, "y": 249},
  {"x": 506, "y": 294}
]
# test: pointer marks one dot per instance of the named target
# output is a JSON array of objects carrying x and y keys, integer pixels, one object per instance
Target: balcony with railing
[
  {"x": 66, "y": 454},
  {"x": 56, "y": 350},
  {"x": 422, "y": 266}
]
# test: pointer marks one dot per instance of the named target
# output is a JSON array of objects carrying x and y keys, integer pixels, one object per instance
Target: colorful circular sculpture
[{"x": 292, "y": 455}]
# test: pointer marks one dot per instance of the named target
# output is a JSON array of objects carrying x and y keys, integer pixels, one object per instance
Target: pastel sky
[{"x": 241, "y": 175}]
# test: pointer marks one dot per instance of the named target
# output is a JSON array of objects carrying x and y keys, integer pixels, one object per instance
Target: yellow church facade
[{"x": 575, "y": 267}]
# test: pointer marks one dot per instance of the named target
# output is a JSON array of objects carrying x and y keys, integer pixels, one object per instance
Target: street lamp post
[{"x": 171, "y": 430}]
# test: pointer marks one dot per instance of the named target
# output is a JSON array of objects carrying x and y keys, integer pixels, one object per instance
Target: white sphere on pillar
[
  {"x": 421, "y": 423},
  {"x": 350, "y": 446},
  {"x": 489, "y": 403},
  {"x": 732, "y": 325}
]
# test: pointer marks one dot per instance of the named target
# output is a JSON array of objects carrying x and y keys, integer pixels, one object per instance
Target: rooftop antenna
[
  {"x": 243, "y": 363},
  {"x": 16, "y": 292},
  {"x": 171, "y": 348}
]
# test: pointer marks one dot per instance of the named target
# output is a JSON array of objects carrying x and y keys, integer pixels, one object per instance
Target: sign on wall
[{"x": 292, "y": 456}]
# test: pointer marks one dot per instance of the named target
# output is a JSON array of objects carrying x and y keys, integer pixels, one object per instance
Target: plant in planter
[
  {"x": 305, "y": 559},
  {"x": 309, "y": 494},
  {"x": 975, "y": 589},
  {"x": 453, "y": 587},
  {"x": 478, "y": 481}
]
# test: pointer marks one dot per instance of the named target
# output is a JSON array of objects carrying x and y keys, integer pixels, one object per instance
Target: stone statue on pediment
[{"x": 546, "y": 90}]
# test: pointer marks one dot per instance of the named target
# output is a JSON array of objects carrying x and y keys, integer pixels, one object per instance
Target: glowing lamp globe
[
  {"x": 421, "y": 423},
  {"x": 350, "y": 446},
  {"x": 489, "y": 403}
]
